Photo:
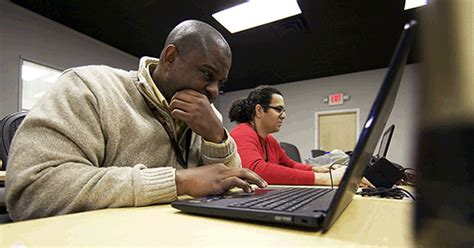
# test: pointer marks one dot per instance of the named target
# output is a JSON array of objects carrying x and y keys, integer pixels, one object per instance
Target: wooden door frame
[{"x": 329, "y": 112}]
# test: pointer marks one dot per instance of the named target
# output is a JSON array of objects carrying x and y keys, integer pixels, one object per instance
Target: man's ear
[{"x": 170, "y": 54}]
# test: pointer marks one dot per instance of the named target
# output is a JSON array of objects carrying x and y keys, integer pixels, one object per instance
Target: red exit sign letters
[{"x": 336, "y": 99}]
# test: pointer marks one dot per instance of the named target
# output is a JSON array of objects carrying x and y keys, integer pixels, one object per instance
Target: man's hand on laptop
[{"x": 215, "y": 179}]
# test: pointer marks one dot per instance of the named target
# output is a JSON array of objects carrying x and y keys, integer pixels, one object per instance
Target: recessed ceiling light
[
  {"x": 255, "y": 13},
  {"x": 410, "y": 4}
]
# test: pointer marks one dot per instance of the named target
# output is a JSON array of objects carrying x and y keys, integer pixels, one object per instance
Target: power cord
[
  {"x": 330, "y": 169},
  {"x": 395, "y": 193}
]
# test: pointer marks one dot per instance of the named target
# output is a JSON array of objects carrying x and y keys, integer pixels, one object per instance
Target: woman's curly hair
[{"x": 243, "y": 110}]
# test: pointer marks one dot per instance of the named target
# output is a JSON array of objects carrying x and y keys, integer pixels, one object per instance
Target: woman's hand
[
  {"x": 325, "y": 168},
  {"x": 337, "y": 174},
  {"x": 325, "y": 178}
]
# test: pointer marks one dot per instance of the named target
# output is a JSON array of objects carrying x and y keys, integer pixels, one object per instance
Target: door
[{"x": 337, "y": 130}]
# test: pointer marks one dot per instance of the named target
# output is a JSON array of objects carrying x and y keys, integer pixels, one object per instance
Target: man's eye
[{"x": 207, "y": 74}]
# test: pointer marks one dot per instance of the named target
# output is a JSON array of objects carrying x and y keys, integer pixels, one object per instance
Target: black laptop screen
[{"x": 373, "y": 127}]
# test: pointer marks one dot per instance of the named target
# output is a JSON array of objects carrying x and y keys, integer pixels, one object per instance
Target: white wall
[
  {"x": 30, "y": 36},
  {"x": 33, "y": 37},
  {"x": 304, "y": 98}
]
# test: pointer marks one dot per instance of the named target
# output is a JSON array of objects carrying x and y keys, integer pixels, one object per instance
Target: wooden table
[{"x": 365, "y": 222}]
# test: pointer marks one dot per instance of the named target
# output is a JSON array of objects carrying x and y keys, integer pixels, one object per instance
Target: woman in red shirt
[{"x": 259, "y": 115}]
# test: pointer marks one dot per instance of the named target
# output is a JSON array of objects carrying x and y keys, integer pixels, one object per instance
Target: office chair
[
  {"x": 292, "y": 151},
  {"x": 8, "y": 126},
  {"x": 316, "y": 153}
]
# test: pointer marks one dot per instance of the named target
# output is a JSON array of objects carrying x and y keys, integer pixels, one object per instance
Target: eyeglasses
[{"x": 279, "y": 109}]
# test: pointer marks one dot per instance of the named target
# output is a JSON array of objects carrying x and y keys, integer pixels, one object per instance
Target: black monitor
[{"x": 385, "y": 142}]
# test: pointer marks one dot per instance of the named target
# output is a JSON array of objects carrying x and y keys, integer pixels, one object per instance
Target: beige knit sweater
[{"x": 92, "y": 142}]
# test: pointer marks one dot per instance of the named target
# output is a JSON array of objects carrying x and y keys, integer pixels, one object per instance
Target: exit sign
[{"x": 336, "y": 99}]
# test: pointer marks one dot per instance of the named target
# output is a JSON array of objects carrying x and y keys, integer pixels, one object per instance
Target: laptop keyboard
[{"x": 285, "y": 199}]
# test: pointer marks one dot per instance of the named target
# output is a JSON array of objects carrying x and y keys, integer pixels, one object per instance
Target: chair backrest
[
  {"x": 292, "y": 151},
  {"x": 316, "y": 153},
  {"x": 8, "y": 126}
]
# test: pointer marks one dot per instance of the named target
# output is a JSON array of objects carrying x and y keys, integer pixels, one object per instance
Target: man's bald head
[
  {"x": 195, "y": 57},
  {"x": 193, "y": 35}
]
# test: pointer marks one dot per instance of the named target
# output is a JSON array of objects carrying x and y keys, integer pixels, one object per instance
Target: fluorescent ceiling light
[
  {"x": 410, "y": 4},
  {"x": 255, "y": 13}
]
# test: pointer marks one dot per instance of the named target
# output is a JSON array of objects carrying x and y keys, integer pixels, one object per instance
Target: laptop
[
  {"x": 380, "y": 171},
  {"x": 311, "y": 207},
  {"x": 384, "y": 144}
]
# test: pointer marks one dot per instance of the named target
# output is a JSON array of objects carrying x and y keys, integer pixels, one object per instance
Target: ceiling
[{"x": 330, "y": 37}]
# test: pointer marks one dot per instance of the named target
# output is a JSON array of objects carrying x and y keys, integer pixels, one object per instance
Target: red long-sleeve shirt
[{"x": 278, "y": 168}]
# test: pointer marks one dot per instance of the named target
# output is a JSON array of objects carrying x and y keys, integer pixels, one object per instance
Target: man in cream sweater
[{"x": 105, "y": 137}]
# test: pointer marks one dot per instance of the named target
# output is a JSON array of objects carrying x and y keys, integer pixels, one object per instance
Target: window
[{"x": 36, "y": 80}]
